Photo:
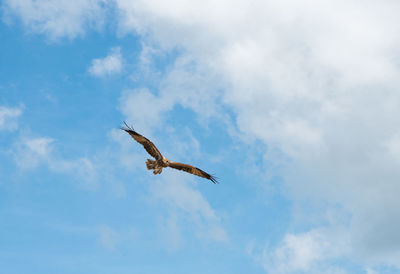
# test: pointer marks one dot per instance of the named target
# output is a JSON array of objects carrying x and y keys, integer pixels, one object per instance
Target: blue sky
[{"x": 294, "y": 106}]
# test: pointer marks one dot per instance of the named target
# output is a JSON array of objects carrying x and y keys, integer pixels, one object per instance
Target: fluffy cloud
[
  {"x": 110, "y": 64},
  {"x": 8, "y": 118},
  {"x": 315, "y": 81},
  {"x": 186, "y": 83},
  {"x": 309, "y": 252},
  {"x": 57, "y": 19}
]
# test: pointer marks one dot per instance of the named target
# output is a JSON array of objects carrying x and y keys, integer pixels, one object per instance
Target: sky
[{"x": 293, "y": 105}]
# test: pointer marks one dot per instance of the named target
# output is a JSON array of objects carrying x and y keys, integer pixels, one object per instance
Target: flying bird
[{"x": 160, "y": 161}]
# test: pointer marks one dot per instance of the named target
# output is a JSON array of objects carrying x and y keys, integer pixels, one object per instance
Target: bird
[{"x": 160, "y": 161}]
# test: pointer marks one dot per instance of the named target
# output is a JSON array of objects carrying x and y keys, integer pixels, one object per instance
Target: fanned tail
[{"x": 151, "y": 164}]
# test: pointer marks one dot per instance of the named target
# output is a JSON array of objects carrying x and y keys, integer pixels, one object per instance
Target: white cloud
[
  {"x": 309, "y": 252},
  {"x": 8, "y": 118},
  {"x": 186, "y": 84},
  {"x": 316, "y": 81},
  {"x": 57, "y": 19},
  {"x": 110, "y": 64},
  {"x": 141, "y": 103}
]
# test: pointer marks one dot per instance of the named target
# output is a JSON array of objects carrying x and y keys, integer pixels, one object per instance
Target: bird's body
[
  {"x": 157, "y": 166},
  {"x": 160, "y": 161}
]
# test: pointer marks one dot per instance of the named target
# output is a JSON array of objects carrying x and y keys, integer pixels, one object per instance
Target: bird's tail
[{"x": 151, "y": 164}]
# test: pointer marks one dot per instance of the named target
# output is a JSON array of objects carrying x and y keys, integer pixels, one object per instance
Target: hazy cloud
[
  {"x": 185, "y": 204},
  {"x": 108, "y": 237},
  {"x": 30, "y": 153},
  {"x": 8, "y": 118}
]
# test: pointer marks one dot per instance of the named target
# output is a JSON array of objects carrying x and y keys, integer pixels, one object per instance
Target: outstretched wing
[
  {"x": 146, "y": 143},
  {"x": 193, "y": 170}
]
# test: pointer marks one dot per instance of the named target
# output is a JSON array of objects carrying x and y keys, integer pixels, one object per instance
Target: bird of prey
[{"x": 160, "y": 161}]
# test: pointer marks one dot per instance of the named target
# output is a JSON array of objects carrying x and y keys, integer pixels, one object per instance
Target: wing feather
[
  {"x": 193, "y": 170},
  {"x": 146, "y": 143}
]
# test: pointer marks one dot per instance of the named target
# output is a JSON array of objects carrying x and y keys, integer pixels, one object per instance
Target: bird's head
[{"x": 165, "y": 160}]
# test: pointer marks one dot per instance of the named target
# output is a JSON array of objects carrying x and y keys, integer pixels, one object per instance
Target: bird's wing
[
  {"x": 146, "y": 143},
  {"x": 193, "y": 170}
]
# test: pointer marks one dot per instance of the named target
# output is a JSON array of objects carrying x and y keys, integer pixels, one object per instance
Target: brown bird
[{"x": 160, "y": 161}]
